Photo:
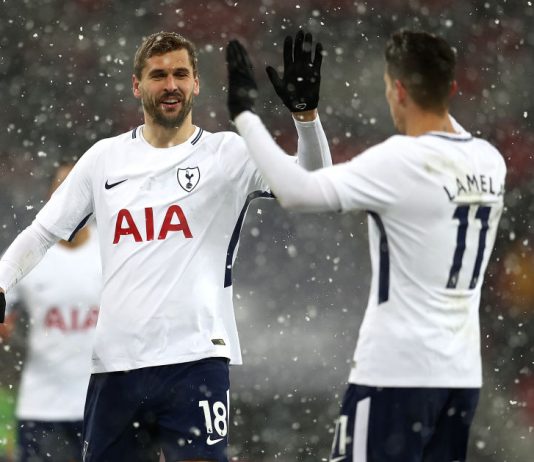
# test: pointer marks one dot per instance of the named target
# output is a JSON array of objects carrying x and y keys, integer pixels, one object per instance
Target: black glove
[
  {"x": 242, "y": 88},
  {"x": 299, "y": 87},
  {"x": 2, "y": 307}
]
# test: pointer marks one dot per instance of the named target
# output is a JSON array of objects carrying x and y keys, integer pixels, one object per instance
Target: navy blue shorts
[
  {"x": 60, "y": 441},
  {"x": 180, "y": 409},
  {"x": 404, "y": 424}
]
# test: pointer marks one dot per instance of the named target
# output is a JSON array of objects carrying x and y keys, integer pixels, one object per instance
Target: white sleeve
[
  {"x": 313, "y": 151},
  {"x": 294, "y": 187},
  {"x": 374, "y": 180},
  {"x": 72, "y": 203},
  {"x": 237, "y": 165},
  {"x": 24, "y": 253}
]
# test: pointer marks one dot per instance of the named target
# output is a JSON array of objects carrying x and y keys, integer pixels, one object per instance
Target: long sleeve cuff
[{"x": 313, "y": 151}]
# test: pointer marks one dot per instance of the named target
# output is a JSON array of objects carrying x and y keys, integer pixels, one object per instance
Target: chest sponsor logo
[
  {"x": 144, "y": 229},
  {"x": 72, "y": 320},
  {"x": 109, "y": 185},
  {"x": 188, "y": 178}
]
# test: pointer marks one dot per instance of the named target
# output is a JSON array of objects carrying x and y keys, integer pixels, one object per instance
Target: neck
[
  {"x": 162, "y": 137},
  {"x": 81, "y": 238},
  {"x": 421, "y": 122}
]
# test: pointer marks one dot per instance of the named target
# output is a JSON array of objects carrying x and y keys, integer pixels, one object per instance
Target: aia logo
[
  {"x": 174, "y": 221},
  {"x": 74, "y": 320},
  {"x": 188, "y": 178}
]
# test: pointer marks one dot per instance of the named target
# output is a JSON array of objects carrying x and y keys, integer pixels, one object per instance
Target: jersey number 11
[{"x": 461, "y": 214}]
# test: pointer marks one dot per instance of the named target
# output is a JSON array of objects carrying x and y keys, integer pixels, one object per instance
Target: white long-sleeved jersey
[
  {"x": 434, "y": 203},
  {"x": 168, "y": 223}
]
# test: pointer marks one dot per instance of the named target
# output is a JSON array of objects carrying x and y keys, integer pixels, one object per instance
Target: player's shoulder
[
  {"x": 488, "y": 147},
  {"x": 222, "y": 137},
  {"x": 396, "y": 141},
  {"x": 112, "y": 144},
  {"x": 465, "y": 147},
  {"x": 125, "y": 138},
  {"x": 422, "y": 143},
  {"x": 492, "y": 155},
  {"x": 471, "y": 145},
  {"x": 404, "y": 150},
  {"x": 391, "y": 147},
  {"x": 229, "y": 142}
]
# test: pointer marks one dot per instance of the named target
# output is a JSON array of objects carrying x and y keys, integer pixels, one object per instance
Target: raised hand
[
  {"x": 299, "y": 86},
  {"x": 242, "y": 88}
]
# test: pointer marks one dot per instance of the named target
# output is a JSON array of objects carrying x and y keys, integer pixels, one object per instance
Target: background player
[
  {"x": 60, "y": 302},
  {"x": 169, "y": 199},
  {"x": 434, "y": 196}
]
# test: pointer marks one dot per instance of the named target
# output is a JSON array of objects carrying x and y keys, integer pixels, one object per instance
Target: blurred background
[{"x": 300, "y": 281}]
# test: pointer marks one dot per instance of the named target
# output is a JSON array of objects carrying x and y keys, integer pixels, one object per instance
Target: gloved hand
[
  {"x": 299, "y": 86},
  {"x": 2, "y": 307},
  {"x": 242, "y": 88}
]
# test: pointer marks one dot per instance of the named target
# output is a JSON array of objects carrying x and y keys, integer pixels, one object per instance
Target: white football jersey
[
  {"x": 434, "y": 204},
  {"x": 61, "y": 297},
  {"x": 168, "y": 222}
]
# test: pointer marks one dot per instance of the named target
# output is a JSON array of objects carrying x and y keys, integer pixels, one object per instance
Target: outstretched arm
[
  {"x": 294, "y": 187},
  {"x": 298, "y": 88},
  {"x": 21, "y": 256}
]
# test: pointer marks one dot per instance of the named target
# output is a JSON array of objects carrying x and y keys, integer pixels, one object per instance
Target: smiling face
[{"x": 166, "y": 88}]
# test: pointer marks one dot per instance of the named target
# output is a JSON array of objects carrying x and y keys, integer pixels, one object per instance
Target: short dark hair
[
  {"x": 161, "y": 43},
  {"x": 425, "y": 64}
]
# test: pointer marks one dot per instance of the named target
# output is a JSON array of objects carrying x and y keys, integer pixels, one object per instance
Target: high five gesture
[{"x": 299, "y": 85}]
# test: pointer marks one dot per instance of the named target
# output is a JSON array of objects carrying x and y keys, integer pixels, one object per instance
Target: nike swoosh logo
[
  {"x": 337, "y": 459},
  {"x": 212, "y": 442},
  {"x": 112, "y": 185}
]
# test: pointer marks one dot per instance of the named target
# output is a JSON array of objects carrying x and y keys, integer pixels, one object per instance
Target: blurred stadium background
[{"x": 301, "y": 280}]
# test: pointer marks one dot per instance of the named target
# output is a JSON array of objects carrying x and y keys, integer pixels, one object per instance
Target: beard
[{"x": 153, "y": 109}]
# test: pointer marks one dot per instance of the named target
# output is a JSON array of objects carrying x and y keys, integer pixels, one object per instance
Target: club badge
[{"x": 188, "y": 178}]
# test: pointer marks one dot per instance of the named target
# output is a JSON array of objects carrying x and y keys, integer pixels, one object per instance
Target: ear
[
  {"x": 135, "y": 87},
  {"x": 196, "y": 87},
  {"x": 454, "y": 88},
  {"x": 400, "y": 92}
]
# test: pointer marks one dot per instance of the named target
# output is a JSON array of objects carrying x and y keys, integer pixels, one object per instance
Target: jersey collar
[
  {"x": 137, "y": 133},
  {"x": 463, "y": 136}
]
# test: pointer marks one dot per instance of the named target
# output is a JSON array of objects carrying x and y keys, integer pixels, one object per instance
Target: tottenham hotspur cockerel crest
[{"x": 188, "y": 178}]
